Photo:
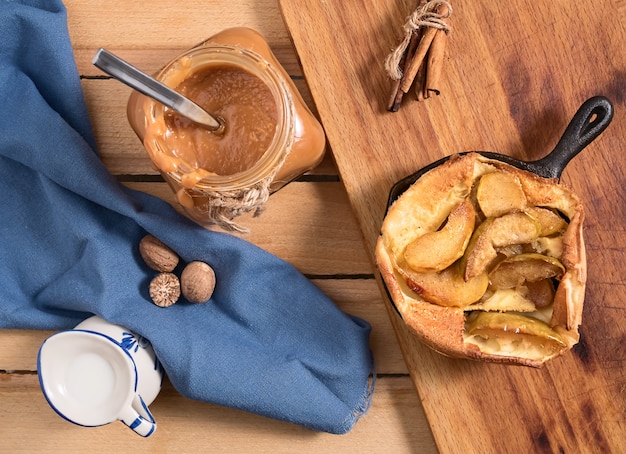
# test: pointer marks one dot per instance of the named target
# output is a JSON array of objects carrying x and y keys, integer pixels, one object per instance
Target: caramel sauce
[
  {"x": 246, "y": 106},
  {"x": 266, "y": 142}
]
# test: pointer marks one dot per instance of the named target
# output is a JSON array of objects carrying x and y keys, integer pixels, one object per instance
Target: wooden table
[{"x": 322, "y": 239}]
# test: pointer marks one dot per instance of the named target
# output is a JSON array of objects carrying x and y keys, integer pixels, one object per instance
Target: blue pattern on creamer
[{"x": 130, "y": 341}]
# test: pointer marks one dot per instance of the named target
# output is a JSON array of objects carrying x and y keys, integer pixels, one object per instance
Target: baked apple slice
[
  {"x": 519, "y": 269},
  {"x": 510, "y": 334},
  {"x": 498, "y": 193},
  {"x": 541, "y": 293},
  {"x": 503, "y": 231},
  {"x": 503, "y": 300},
  {"x": 435, "y": 251},
  {"x": 550, "y": 221},
  {"x": 448, "y": 287}
]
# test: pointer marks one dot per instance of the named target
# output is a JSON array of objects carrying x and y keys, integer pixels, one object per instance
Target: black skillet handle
[{"x": 591, "y": 119}]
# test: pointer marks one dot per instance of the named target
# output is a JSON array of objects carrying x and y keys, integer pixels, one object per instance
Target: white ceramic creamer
[{"x": 98, "y": 373}]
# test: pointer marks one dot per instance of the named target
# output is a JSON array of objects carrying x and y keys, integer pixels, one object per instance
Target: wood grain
[
  {"x": 512, "y": 80},
  {"x": 158, "y": 24},
  {"x": 28, "y": 424}
]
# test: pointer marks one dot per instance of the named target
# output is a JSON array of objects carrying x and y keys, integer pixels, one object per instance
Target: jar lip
[{"x": 205, "y": 55}]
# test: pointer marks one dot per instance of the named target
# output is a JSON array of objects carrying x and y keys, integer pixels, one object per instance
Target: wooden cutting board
[{"x": 515, "y": 73}]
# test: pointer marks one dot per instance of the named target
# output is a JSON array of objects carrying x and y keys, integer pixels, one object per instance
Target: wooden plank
[
  {"x": 19, "y": 349},
  {"x": 512, "y": 81},
  {"x": 162, "y": 24},
  {"x": 359, "y": 297},
  {"x": 28, "y": 424},
  {"x": 322, "y": 239}
]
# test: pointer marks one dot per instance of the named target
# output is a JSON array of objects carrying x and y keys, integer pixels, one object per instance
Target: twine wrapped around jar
[{"x": 222, "y": 207}]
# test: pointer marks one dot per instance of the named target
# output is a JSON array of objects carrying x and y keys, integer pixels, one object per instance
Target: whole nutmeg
[
  {"x": 165, "y": 289},
  {"x": 157, "y": 254},
  {"x": 197, "y": 282}
]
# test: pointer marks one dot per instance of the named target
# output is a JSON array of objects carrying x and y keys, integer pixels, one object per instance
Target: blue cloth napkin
[{"x": 268, "y": 342}]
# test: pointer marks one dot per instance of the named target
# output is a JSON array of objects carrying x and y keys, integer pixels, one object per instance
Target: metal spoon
[{"x": 149, "y": 86}]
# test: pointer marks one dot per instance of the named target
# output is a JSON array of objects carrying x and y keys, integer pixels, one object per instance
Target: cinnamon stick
[
  {"x": 434, "y": 64},
  {"x": 420, "y": 83},
  {"x": 395, "y": 99},
  {"x": 418, "y": 58},
  {"x": 422, "y": 61}
]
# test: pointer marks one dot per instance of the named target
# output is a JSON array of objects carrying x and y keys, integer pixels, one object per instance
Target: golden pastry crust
[{"x": 424, "y": 207}]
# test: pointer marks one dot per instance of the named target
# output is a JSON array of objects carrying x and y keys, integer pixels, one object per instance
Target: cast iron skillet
[{"x": 591, "y": 119}]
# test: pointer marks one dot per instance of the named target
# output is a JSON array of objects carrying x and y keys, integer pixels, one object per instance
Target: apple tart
[{"x": 486, "y": 261}]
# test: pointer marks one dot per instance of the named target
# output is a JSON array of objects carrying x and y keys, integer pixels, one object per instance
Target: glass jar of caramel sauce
[{"x": 269, "y": 138}]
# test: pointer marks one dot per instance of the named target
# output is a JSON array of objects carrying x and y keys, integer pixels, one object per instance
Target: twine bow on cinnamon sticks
[{"x": 418, "y": 59}]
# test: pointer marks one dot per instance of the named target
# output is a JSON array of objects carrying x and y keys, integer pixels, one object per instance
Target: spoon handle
[{"x": 143, "y": 83}]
